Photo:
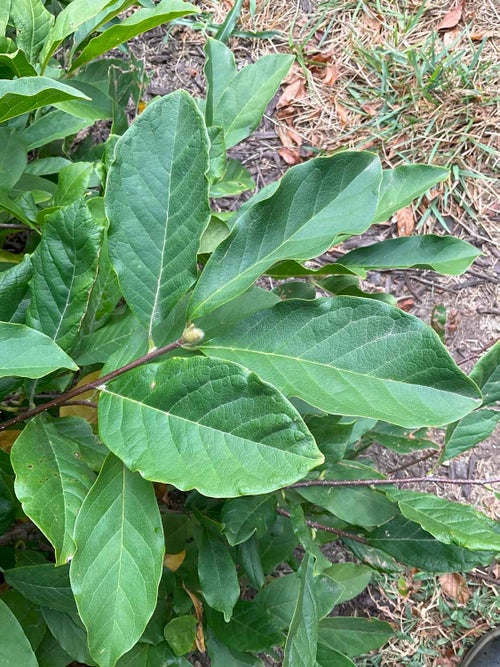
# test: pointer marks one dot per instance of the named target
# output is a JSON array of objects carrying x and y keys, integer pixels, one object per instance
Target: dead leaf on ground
[
  {"x": 371, "y": 108},
  {"x": 331, "y": 74},
  {"x": 341, "y": 113},
  {"x": 288, "y": 137},
  {"x": 451, "y": 38},
  {"x": 406, "y": 304},
  {"x": 451, "y": 18},
  {"x": 289, "y": 156},
  {"x": 405, "y": 221},
  {"x": 455, "y": 587},
  {"x": 479, "y": 35},
  {"x": 292, "y": 92}
]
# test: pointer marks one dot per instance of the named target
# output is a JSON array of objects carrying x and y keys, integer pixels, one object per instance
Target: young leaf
[
  {"x": 449, "y": 522},
  {"x": 302, "y": 640},
  {"x": 72, "y": 183},
  {"x": 220, "y": 68},
  {"x": 352, "y": 356},
  {"x": 13, "y": 158},
  {"x": 14, "y": 291},
  {"x": 20, "y": 96},
  {"x": 157, "y": 204},
  {"x": 468, "y": 432},
  {"x": 45, "y": 585},
  {"x": 445, "y": 254},
  {"x": 352, "y": 636},
  {"x": 208, "y": 425},
  {"x": 28, "y": 353},
  {"x": 117, "y": 567},
  {"x": 131, "y": 26},
  {"x": 486, "y": 374},
  {"x": 64, "y": 270},
  {"x": 218, "y": 576},
  {"x": 32, "y": 23},
  {"x": 15, "y": 649},
  {"x": 314, "y": 203},
  {"x": 402, "y": 184},
  {"x": 51, "y": 479}
]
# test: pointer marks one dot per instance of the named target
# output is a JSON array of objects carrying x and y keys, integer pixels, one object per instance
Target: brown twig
[
  {"x": 404, "y": 466},
  {"x": 385, "y": 482},
  {"x": 97, "y": 384},
  {"x": 14, "y": 226},
  {"x": 328, "y": 529}
]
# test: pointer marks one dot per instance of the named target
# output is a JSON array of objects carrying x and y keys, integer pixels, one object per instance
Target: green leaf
[
  {"x": 351, "y": 635},
  {"x": 220, "y": 69},
  {"x": 218, "y": 576},
  {"x": 28, "y": 615},
  {"x": 46, "y": 165},
  {"x": 214, "y": 234},
  {"x": 7, "y": 503},
  {"x": 50, "y": 654},
  {"x": 70, "y": 634},
  {"x": 207, "y": 425},
  {"x": 157, "y": 204},
  {"x": 468, "y": 432},
  {"x": 348, "y": 580},
  {"x": 29, "y": 353},
  {"x": 235, "y": 180},
  {"x": 307, "y": 538},
  {"x": 398, "y": 439},
  {"x": 313, "y": 205},
  {"x": 14, "y": 291},
  {"x": 226, "y": 28},
  {"x": 250, "y": 561},
  {"x": 242, "y": 101},
  {"x": 402, "y": 184},
  {"x": 118, "y": 563},
  {"x": 51, "y": 127},
  {"x": 292, "y": 269},
  {"x": 51, "y": 480},
  {"x": 302, "y": 640},
  {"x": 98, "y": 106},
  {"x": 250, "y": 628},
  {"x": 223, "y": 656},
  {"x": 139, "y": 22},
  {"x": 278, "y": 544},
  {"x": 244, "y": 517},
  {"x": 72, "y": 184},
  {"x": 449, "y": 522},
  {"x": 13, "y": 61},
  {"x": 98, "y": 346},
  {"x": 150, "y": 655},
  {"x": 329, "y": 657},
  {"x": 45, "y": 585},
  {"x": 4, "y": 16},
  {"x": 331, "y": 435},
  {"x": 409, "y": 544},
  {"x": 13, "y": 158},
  {"x": 65, "y": 267},
  {"x": 445, "y": 254},
  {"x": 295, "y": 289},
  {"x": 486, "y": 374},
  {"x": 349, "y": 286},
  {"x": 352, "y": 356},
  {"x": 180, "y": 633},
  {"x": 20, "y": 96},
  {"x": 32, "y": 23},
  {"x": 15, "y": 649}
]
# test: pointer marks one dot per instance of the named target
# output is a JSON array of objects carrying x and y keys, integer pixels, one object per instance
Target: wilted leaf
[
  {"x": 405, "y": 221},
  {"x": 452, "y": 17},
  {"x": 174, "y": 561},
  {"x": 455, "y": 586}
]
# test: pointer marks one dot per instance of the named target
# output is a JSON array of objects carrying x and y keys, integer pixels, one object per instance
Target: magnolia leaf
[
  {"x": 348, "y": 580},
  {"x": 312, "y": 206},
  {"x": 449, "y": 522},
  {"x": 98, "y": 346},
  {"x": 242, "y": 517},
  {"x": 32, "y": 23},
  {"x": 50, "y": 654},
  {"x": 51, "y": 478},
  {"x": 70, "y": 634},
  {"x": 352, "y": 636},
  {"x": 20, "y": 96},
  {"x": 28, "y": 353},
  {"x": 13, "y": 62},
  {"x": 401, "y": 185},
  {"x": 302, "y": 640},
  {"x": 250, "y": 628},
  {"x": 45, "y": 585},
  {"x": 208, "y": 425},
  {"x": 220, "y": 69},
  {"x": 65, "y": 267},
  {"x": 157, "y": 204},
  {"x": 218, "y": 576},
  {"x": 72, "y": 183},
  {"x": 51, "y": 127},
  {"x": 13, "y": 158},
  {"x": 151, "y": 655},
  {"x": 14, "y": 291},
  {"x": 486, "y": 374},
  {"x": 445, "y": 254},
  {"x": 131, "y": 26},
  {"x": 468, "y": 432},
  {"x": 352, "y": 356},
  {"x": 15, "y": 648},
  {"x": 117, "y": 567}
]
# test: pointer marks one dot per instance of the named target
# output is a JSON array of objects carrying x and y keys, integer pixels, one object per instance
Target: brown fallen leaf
[
  {"x": 198, "y": 610},
  {"x": 341, "y": 113},
  {"x": 451, "y": 18},
  {"x": 288, "y": 137},
  {"x": 451, "y": 38},
  {"x": 289, "y": 156},
  {"x": 406, "y": 304},
  {"x": 174, "y": 561},
  {"x": 292, "y": 92},
  {"x": 479, "y": 35},
  {"x": 455, "y": 587},
  {"x": 331, "y": 74},
  {"x": 405, "y": 221},
  {"x": 371, "y": 108}
]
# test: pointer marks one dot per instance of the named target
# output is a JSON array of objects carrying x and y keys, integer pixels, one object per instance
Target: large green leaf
[
  {"x": 28, "y": 614},
  {"x": 72, "y": 185},
  {"x": 352, "y": 356},
  {"x": 348, "y": 580},
  {"x": 409, "y": 544},
  {"x": 51, "y": 478},
  {"x": 157, "y": 204},
  {"x": 236, "y": 100},
  {"x": 13, "y": 158},
  {"x": 351, "y": 635},
  {"x": 449, "y": 522},
  {"x": 314, "y": 203},
  {"x": 302, "y": 640},
  {"x": 70, "y": 634},
  {"x": 402, "y": 184},
  {"x": 118, "y": 563},
  {"x": 445, "y": 254},
  {"x": 32, "y": 23},
  {"x": 486, "y": 374},
  {"x": 223, "y": 656},
  {"x": 97, "y": 347},
  {"x": 15, "y": 649},
  {"x": 50, "y": 654},
  {"x": 45, "y": 585},
  {"x": 13, "y": 61},
  {"x": 20, "y": 96},
  {"x": 139, "y": 22},
  {"x": 208, "y": 425},
  {"x": 7, "y": 503},
  {"x": 218, "y": 576},
  {"x": 28, "y": 353},
  {"x": 468, "y": 432},
  {"x": 65, "y": 267},
  {"x": 14, "y": 291},
  {"x": 250, "y": 628},
  {"x": 150, "y": 655},
  {"x": 51, "y": 127}
]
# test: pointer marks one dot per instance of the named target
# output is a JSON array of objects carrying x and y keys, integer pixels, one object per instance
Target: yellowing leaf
[
  {"x": 454, "y": 586},
  {"x": 87, "y": 412},
  {"x": 174, "y": 561},
  {"x": 7, "y": 439}
]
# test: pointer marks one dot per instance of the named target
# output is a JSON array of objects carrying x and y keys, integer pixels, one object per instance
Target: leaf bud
[{"x": 192, "y": 335}]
